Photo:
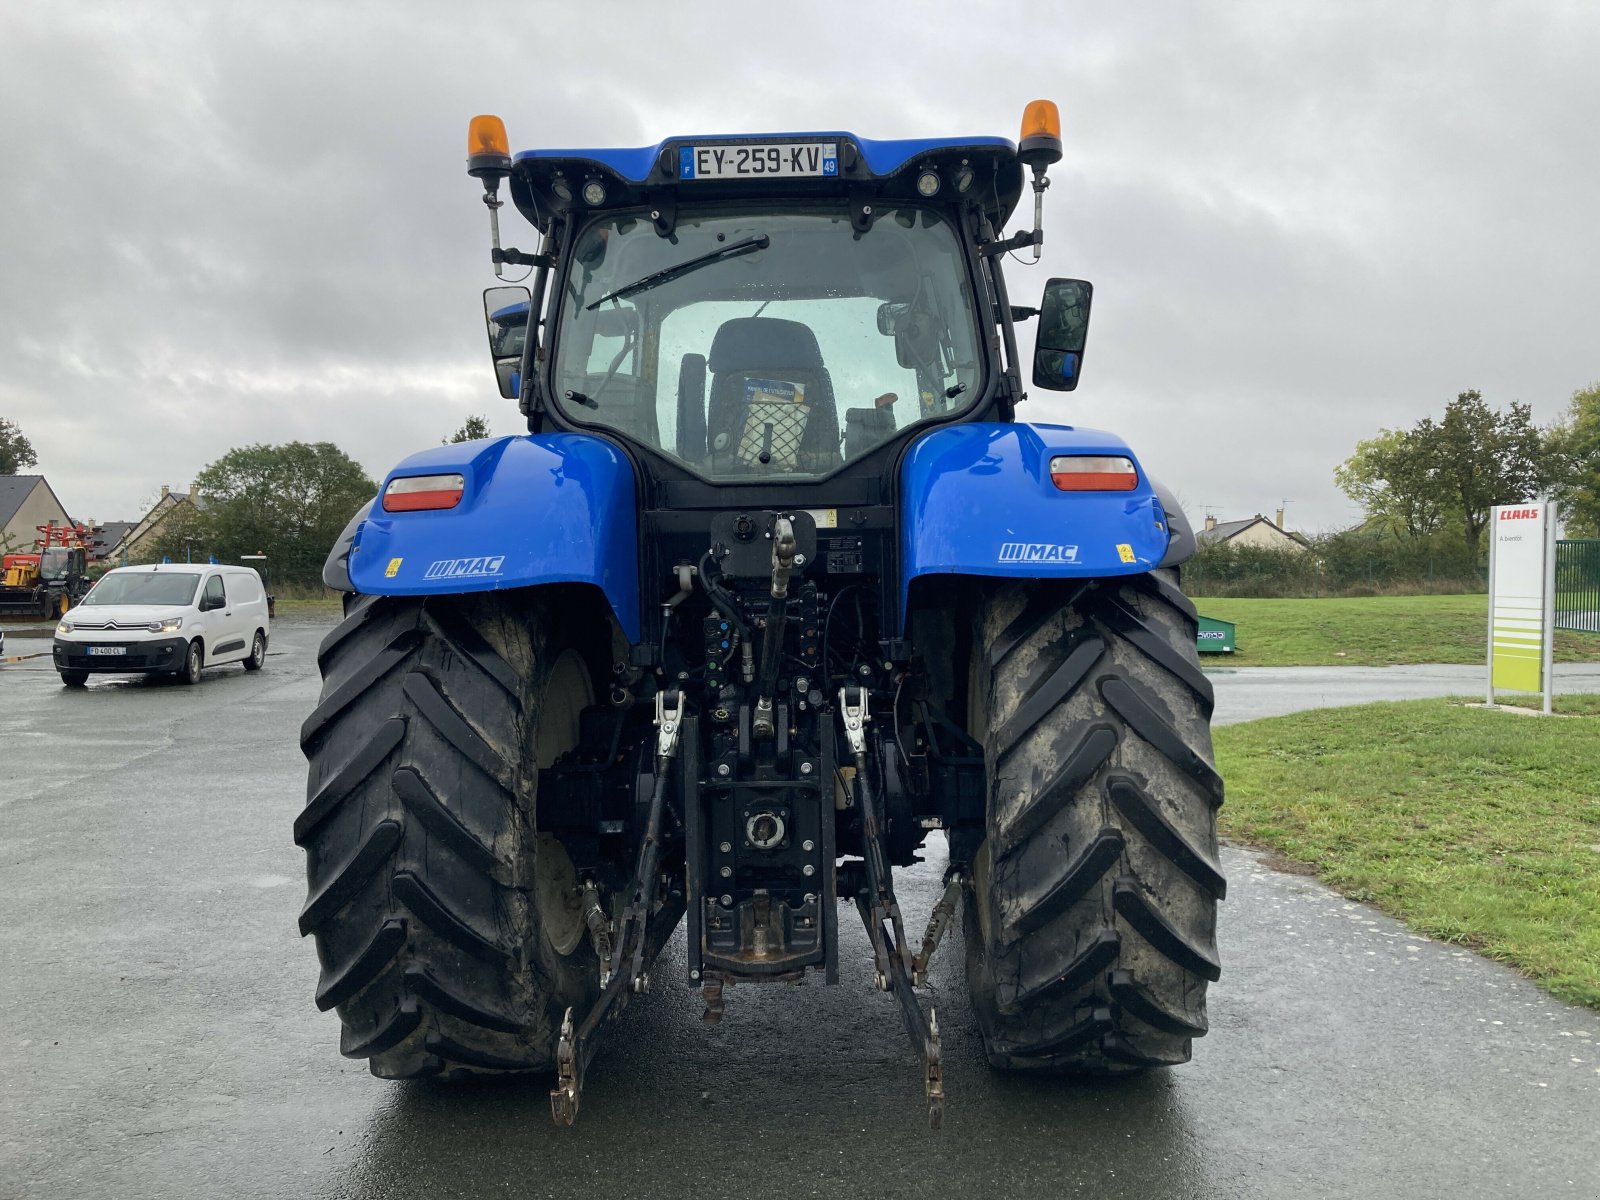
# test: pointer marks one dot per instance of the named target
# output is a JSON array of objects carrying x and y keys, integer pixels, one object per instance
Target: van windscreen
[{"x": 144, "y": 587}]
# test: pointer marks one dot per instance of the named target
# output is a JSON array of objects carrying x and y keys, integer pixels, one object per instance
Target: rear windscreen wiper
[{"x": 655, "y": 278}]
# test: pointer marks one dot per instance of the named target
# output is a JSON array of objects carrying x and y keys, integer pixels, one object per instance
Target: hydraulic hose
[{"x": 719, "y": 599}]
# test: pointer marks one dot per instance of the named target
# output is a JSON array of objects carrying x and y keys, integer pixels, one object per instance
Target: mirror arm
[
  {"x": 1040, "y": 182},
  {"x": 1028, "y": 237},
  {"x": 492, "y": 201},
  {"x": 511, "y": 256}
]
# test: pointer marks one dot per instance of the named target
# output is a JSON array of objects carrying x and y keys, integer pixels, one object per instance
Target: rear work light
[
  {"x": 413, "y": 492},
  {"x": 1093, "y": 473}
]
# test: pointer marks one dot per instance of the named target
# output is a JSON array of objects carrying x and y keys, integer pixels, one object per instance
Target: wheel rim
[
  {"x": 568, "y": 690},
  {"x": 258, "y": 651},
  {"x": 193, "y": 670}
]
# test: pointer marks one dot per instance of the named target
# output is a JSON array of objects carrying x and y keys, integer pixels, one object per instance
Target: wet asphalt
[{"x": 158, "y": 1038}]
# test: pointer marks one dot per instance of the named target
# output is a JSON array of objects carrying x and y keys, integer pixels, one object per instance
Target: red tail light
[
  {"x": 410, "y": 493},
  {"x": 1093, "y": 473}
]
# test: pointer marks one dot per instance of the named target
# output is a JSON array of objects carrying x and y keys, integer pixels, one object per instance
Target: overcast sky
[{"x": 223, "y": 224}]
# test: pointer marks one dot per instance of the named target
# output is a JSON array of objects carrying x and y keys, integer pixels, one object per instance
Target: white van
[{"x": 176, "y": 618}]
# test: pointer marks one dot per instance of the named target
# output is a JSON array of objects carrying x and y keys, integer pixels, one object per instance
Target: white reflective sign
[{"x": 1521, "y": 596}]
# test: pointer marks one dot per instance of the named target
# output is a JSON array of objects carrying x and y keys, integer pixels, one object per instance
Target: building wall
[
  {"x": 140, "y": 544},
  {"x": 142, "y": 549},
  {"x": 1267, "y": 537},
  {"x": 38, "y": 509}
]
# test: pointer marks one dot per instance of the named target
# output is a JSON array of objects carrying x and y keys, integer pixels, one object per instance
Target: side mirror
[
  {"x": 1063, "y": 329},
  {"x": 916, "y": 341},
  {"x": 505, "y": 310},
  {"x": 617, "y": 323}
]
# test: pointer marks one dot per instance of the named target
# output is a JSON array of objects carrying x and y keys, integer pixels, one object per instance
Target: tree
[
  {"x": 1486, "y": 458},
  {"x": 471, "y": 431},
  {"x": 1452, "y": 471},
  {"x": 16, "y": 452},
  {"x": 1392, "y": 477},
  {"x": 1575, "y": 447},
  {"x": 289, "y": 502}
]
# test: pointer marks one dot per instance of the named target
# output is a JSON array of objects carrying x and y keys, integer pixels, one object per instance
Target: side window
[{"x": 213, "y": 592}]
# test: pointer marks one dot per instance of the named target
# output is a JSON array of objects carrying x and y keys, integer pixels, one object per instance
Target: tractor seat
[{"x": 771, "y": 406}]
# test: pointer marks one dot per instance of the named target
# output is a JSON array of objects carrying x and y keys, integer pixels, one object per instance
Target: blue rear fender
[
  {"x": 536, "y": 509},
  {"x": 978, "y": 500}
]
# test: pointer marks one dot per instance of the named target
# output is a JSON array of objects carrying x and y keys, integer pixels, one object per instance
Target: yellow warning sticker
[
  {"x": 393, "y": 568},
  {"x": 1124, "y": 551}
]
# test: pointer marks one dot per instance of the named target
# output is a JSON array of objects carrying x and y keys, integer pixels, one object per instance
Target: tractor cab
[
  {"x": 768, "y": 309},
  {"x": 59, "y": 563},
  {"x": 768, "y": 324}
]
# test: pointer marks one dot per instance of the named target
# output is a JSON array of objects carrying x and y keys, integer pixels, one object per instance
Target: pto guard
[
  {"x": 978, "y": 500},
  {"x": 541, "y": 508}
]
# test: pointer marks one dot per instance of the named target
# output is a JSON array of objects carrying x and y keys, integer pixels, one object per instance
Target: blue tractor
[{"x": 775, "y": 585}]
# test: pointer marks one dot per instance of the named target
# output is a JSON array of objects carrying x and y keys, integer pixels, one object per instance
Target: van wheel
[
  {"x": 74, "y": 678},
  {"x": 190, "y": 673},
  {"x": 258, "y": 652}
]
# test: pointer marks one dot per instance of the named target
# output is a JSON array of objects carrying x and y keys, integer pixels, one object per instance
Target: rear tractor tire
[
  {"x": 449, "y": 932},
  {"x": 1091, "y": 920}
]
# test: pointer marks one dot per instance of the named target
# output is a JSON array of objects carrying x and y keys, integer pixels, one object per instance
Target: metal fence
[{"x": 1578, "y": 585}]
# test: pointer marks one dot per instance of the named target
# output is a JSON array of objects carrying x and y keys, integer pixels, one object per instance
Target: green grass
[
  {"x": 1563, "y": 706},
  {"x": 1476, "y": 827},
  {"x": 1368, "y": 631},
  {"x": 306, "y": 600}
]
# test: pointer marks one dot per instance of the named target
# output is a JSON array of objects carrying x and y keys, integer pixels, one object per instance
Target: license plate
[
  {"x": 781, "y": 160},
  {"x": 97, "y": 650}
]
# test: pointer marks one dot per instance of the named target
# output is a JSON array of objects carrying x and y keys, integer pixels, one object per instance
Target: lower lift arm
[
  {"x": 880, "y": 911},
  {"x": 576, "y": 1047}
]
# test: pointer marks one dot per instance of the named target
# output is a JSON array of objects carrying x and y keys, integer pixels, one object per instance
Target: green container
[{"x": 1214, "y": 636}]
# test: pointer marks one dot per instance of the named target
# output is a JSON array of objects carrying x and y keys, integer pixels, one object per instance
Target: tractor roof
[
  {"x": 882, "y": 158},
  {"x": 545, "y": 182}
]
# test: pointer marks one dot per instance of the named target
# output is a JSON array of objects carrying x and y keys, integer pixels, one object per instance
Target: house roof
[
  {"x": 159, "y": 512},
  {"x": 1223, "y": 531},
  {"x": 14, "y": 490},
  {"x": 107, "y": 535},
  {"x": 14, "y": 493}
]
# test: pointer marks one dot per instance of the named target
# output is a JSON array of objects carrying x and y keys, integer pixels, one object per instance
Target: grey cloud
[{"x": 1304, "y": 221}]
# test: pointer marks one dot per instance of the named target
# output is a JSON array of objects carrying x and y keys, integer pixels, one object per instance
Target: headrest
[{"x": 764, "y": 344}]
